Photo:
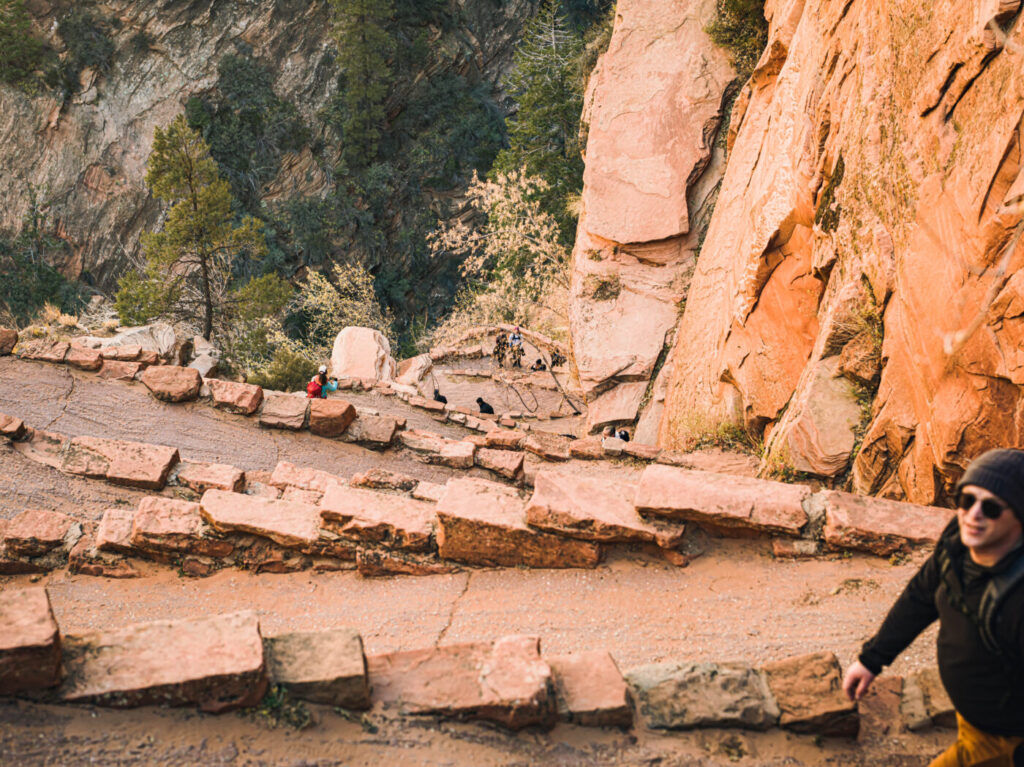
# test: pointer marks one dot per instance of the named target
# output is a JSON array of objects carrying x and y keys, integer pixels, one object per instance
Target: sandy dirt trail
[{"x": 735, "y": 603}]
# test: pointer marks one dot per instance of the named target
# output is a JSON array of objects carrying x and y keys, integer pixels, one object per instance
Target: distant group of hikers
[{"x": 511, "y": 346}]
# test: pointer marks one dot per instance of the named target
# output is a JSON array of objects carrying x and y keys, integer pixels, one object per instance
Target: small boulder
[
  {"x": 721, "y": 501},
  {"x": 393, "y": 520},
  {"x": 235, "y": 397},
  {"x": 504, "y": 439},
  {"x": 114, "y": 532},
  {"x": 593, "y": 509},
  {"x": 30, "y": 656},
  {"x": 134, "y": 464},
  {"x": 550, "y": 447},
  {"x": 45, "y": 350},
  {"x": 362, "y": 353},
  {"x": 382, "y": 479},
  {"x": 427, "y": 404},
  {"x": 413, "y": 370},
  {"x": 330, "y": 417},
  {"x": 373, "y": 431},
  {"x": 8, "y": 340},
  {"x": 924, "y": 702},
  {"x": 287, "y": 475},
  {"x": 588, "y": 448},
  {"x": 205, "y": 364},
  {"x": 166, "y": 525},
  {"x": 171, "y": 383},
  {"x": 11, "y": 428}
]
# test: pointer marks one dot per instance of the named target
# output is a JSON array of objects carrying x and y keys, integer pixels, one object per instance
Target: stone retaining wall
[
  {"x": 380, "y": 522},
  {"x": 223, "y": 662}
]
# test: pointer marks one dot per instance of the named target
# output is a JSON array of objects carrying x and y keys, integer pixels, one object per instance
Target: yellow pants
[{"x": 974, "y": 748}]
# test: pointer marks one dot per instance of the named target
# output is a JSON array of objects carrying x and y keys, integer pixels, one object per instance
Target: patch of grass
[
  {"x": 603, "y": 288},
  {"x": 727, "y": 435},
  {"x": 277, "y": 708},
  {"x": 828, "y": 212},
  {"x": 740, "y": 27}
]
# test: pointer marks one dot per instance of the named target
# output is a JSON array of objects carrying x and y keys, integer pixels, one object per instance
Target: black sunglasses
[{"x": 990, "y": 507}]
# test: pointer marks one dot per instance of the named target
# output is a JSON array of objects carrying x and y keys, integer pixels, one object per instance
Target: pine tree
[
  {"x": 365, "y": 51},
  {"x": 544, "y": 133},
  {"x": 188, "y": 263}
]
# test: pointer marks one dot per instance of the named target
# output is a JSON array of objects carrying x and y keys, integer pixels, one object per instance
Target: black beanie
[{"x": 1001, "y": 472}]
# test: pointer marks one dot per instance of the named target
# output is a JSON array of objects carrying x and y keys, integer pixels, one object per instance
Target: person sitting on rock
[
  {"x": 485, "y": 407},
  {"x": 320, "y": 384},
  {"x": 623, "y": 435},
  {"x": 538, "y": 366},
  {"x": 557, "y": 360},
  {"x": 438, "y": 397}
]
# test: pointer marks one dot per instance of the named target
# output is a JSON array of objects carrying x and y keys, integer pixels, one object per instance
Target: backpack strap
[{"x": 994, "y": 595}]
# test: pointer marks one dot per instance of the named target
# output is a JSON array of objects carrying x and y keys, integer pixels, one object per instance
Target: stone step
[
  {"x": 395, "y": 521},
  {"x": 241, "y": 398},
  {"x": 30, "y": 656},
  {"x": 133, "y": 464},
  {"x": 320, "y": 666},
  {"x": 484, "y": 523},
  {"x": 284, "y": 411},
  {"x": 287, "y": 523},
  {"x": 726, "y": 503},
  {"x": 590, "y": 689},
  {"x": 809, "y": 693},
  {"x": 878, "y": 525},
  {"x": 171, "y": 526},
  {"x": 594, "y": 509},
  {"x": 201, "y": 477},
  {"x": 504, "y": 681},
  {"x": 215, "y": 663},
  {"x": 686, "y": 696}
]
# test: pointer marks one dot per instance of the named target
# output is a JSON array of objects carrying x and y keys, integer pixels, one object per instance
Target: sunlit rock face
[
  {"x": 872, "y": 187},
  {"x": 653, "y": 110}
]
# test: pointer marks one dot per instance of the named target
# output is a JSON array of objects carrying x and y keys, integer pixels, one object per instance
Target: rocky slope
[
  {"x": 868, "y": 199},
  {"x": 86, "y": 156}
]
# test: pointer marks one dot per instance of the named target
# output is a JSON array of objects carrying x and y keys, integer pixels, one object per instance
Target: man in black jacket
[{"x": 974, "y": 585}]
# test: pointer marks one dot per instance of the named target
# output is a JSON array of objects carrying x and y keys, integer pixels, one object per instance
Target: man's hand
[{"x": 857, "y": 681}]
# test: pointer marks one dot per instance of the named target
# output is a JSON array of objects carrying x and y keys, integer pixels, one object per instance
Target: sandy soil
[{"x": 734, "y": 603}]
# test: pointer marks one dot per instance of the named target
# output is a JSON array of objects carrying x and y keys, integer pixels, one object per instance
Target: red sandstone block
[
  {"x": 591, "y": 691},
  {"x": 878, "y": 525},
  {"x": 29, "y": 642},
  {"x": 215, "y": 663}
]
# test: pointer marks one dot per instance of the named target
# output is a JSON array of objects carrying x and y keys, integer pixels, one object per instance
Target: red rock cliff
[{"x": 872, "y": 187}]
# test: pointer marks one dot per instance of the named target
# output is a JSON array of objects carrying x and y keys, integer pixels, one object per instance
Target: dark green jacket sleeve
[{"x": 911, "y": 614}]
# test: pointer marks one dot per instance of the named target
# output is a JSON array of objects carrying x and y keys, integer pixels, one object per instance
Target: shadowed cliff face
[
  {"x": 87, "y": 155},
  {"x": 654, "y": 106},
  {"x": 869, "y": 195}
]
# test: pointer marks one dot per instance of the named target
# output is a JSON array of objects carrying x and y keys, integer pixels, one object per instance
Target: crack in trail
[
  {"x": 66, "y": 398},
  {"x": 455, "y": 605}
]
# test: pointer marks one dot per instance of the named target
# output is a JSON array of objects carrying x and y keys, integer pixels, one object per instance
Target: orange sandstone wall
[{"x": 872, "y": 185}]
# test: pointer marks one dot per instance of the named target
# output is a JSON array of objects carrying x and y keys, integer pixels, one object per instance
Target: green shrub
[
  {"x": 287, "y": 371},
  {"x": 21, "y": 52},
  {"x": 740, "y": 27}
]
